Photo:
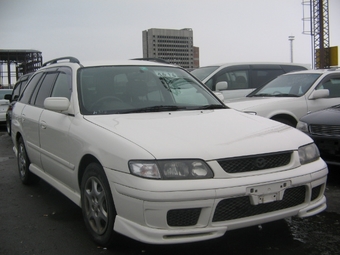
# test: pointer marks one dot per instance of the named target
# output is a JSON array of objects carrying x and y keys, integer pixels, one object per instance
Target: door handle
[{"x": 43, "y": 125}]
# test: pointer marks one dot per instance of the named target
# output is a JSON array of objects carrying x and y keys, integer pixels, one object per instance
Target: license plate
[{"x": 267, "y": 193}]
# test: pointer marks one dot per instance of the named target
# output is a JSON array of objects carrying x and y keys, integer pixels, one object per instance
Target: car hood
[
  {"x": 209, "y": 134},
  {"x": 329, "y": 116},
  {"x": 250, "y": 103}
]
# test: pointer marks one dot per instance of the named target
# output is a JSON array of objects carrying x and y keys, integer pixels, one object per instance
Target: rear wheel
[
  {"x": 26, "y": 176},
  {"x": 98, "y": 208}
]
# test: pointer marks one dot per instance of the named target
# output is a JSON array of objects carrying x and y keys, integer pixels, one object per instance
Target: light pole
[{"x": 291, "y": 39}]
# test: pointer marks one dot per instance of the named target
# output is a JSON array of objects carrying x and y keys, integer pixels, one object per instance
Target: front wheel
[
  {"x": 8, "y": 126},
  {"x": 26, "y": 176},
  {"x": 97, "y": 204}
]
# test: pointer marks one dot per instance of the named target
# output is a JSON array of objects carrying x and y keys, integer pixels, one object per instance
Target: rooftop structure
[
  {"x": 14, "y": 63},
  {"x": 174, "y": 46}
]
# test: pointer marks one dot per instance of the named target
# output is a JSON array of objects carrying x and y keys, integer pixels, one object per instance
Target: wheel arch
[
  {"x": 18, "y": 135},
  {"x": 84, "y": 162},
  {"x": 285, "y": 118}
]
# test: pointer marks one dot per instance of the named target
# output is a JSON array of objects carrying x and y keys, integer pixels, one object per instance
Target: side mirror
[
  {"x": 319, "y": 93},
  {"x": 57, "y": 104},
  {"x": 219, "y": 95},
  {"x": 222, "y": 85}
]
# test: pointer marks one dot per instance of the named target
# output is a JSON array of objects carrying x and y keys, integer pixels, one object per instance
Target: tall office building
[{"x": 174, "y": 46}]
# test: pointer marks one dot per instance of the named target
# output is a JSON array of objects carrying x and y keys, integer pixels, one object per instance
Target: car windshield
[
  {"x": 203, "y": 72},
  {"x": 131, "y": 89},
  {"x": 290, "y": 85}
]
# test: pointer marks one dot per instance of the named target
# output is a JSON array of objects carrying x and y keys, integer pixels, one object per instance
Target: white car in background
[
  {"x": 235, "y": 80},
  {"x": 149, "y": 152},
  {"x": 4, "y": 103},
  {"x": 290, "y": 96}
]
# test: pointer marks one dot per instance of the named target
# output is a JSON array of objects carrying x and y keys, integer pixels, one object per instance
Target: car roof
[
  {"x": 317, "y": 71},
  {"x": 71, "y": 61},
  {"x": 124, "y": 63},
  {"x": 257, "y": 63}
]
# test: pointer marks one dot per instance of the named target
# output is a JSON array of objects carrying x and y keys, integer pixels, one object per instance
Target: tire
[
  {"x": 8, "y": 126},
  {"x": 26, "y": 176},
  {"x": 98, "y": 209}
]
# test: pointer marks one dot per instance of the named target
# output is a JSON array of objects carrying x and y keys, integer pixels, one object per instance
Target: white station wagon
[{"x": 149, "y": 152}]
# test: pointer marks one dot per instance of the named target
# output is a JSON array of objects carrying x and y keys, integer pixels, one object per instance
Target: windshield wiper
[
  {"x": 285, "y": 95},
  {"x": 261, "y": 95},
  {"x": 156, "y": 108},
  {"x": 209, "y": 107}
]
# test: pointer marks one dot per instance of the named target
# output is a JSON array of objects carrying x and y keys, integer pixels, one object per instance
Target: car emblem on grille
[{"x": 260, "y": 163}]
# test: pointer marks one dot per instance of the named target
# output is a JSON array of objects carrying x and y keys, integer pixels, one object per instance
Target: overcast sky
[{"x": 224, "y": 30}]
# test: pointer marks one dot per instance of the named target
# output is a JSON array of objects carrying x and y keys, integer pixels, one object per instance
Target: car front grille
[
  {"x": 326, "y": 130},
  {"x": 255, "y": 163},
  {"x": 240, "y": 207}
]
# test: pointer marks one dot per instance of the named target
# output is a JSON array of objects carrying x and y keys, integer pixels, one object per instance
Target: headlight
[
  {"x": 308, "y": 153},
  {"x": 302, "y": 126},
  {"x": 171, "y": 169}
]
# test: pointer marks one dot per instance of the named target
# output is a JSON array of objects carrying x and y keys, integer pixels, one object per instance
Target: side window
[
  {"x": 333, "y": 85},
  {"x": 44, "y": 90},
  {"x": 16, "y": 90},
  {"x": 31, "y": 86},
  {"x": 263, "y": 76},
  {"x": 237, "y": 79},
  {"x": 62, "y": 87}
]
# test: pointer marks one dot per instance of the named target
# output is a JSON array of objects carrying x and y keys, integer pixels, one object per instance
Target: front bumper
[{"x": 196, "y": 211}]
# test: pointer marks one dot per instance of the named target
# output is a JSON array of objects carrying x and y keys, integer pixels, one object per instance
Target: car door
[
  {"x": 27, "y": 114},
  {"x": 237, "y": 78},
  {"x": 332, "y": 83},
  {"x": 54, "y": 134}
]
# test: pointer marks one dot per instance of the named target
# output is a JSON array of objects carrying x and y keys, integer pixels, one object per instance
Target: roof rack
[
  {"x": 56, "y": 60},
  {"x": 334, "y": 68}
]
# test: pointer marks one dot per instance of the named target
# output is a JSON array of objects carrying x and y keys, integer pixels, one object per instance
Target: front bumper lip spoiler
[{"x": 314, "y": 208}]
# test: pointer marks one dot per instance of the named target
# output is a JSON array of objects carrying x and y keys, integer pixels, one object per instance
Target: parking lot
[{"x": 39, "y": 220}]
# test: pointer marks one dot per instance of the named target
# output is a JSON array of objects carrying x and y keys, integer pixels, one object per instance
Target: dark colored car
[
  {"x": 324, "y": 128},
  {"x": 18, "y": 88}
]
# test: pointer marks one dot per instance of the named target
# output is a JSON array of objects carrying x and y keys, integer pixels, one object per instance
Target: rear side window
[
  {"x": 27, "y": 94},
  {"x": 17, "y": 89},
  {"x": 44, "y": 90}
]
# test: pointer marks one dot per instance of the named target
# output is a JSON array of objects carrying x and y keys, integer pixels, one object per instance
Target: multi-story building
[{"x": 174, "y": 46}]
